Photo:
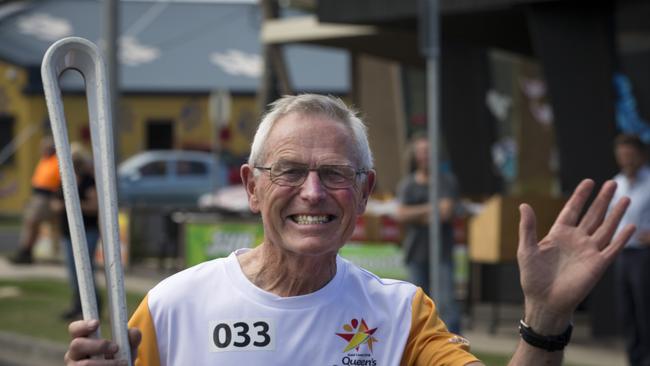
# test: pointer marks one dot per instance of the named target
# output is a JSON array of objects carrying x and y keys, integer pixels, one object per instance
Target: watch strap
[{"x": 549, "y": 343}]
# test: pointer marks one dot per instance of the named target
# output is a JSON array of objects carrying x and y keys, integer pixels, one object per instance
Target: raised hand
[{"x": 560, "y": 270}]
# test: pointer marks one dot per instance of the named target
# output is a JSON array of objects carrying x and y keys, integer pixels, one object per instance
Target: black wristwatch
[{"x": 548, "y": 343}]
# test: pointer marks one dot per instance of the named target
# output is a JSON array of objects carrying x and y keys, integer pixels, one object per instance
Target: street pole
[
  {"x": 110, "y": 34},
  {"x": 430, "y": 36},
  {"x": 275, "y": 78}
]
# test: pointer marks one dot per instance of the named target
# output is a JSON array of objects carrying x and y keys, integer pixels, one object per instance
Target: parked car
[{"x": 169, "y": 178}]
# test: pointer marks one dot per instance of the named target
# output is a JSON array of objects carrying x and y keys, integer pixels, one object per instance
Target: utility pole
[
  {"x": 275, "y": 77},
  {"x": 110, "y": 34},
  {"x": 430, "y": 38}
]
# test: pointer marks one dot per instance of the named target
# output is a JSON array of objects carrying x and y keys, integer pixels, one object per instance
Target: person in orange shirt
[{"x": 46, "y": 181}]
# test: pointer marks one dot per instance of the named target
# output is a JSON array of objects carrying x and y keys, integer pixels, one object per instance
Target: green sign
[
  {"x": 205, "y": 241},
  {"x": 383, "y": 259}
]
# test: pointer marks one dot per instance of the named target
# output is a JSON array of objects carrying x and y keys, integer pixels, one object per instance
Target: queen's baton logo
[{"x": 358, "y": 333}]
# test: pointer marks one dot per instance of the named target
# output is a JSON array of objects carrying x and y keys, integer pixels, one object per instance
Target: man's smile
[{"x": 304, "y": 219}]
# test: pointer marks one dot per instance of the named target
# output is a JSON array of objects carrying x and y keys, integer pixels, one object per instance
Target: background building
[{"x": 189, "y": 74}]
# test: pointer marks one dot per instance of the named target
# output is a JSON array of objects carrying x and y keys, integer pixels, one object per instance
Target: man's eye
[
  {"x": 291, "y": 172},
  {"x": 334, "y": 173}
]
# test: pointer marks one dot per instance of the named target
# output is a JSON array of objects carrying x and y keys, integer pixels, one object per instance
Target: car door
[
  {"x": 150, "y": 186},
  {"x": 193, "y": 177}
]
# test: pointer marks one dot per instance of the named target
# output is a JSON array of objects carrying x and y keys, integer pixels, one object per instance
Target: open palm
[{"x": 558, "y": 272}]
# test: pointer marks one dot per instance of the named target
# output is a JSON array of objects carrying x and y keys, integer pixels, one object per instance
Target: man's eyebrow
[{"x": 288, "y": 161}]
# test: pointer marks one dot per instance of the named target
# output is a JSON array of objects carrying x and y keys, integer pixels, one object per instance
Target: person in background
[
  {"x": 632, "y": 268},
  {"x": 46, "y": 181},
  {"x": 413, "y": 212},
  {"x": 88, "y": 202}
]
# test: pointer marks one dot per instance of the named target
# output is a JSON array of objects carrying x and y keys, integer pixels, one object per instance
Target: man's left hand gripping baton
[{"x": 82, "y": 55}]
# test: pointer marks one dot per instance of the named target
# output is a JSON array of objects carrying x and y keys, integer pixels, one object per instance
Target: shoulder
[
  {"x": 185, "y": 284},
  {"x": 406, "y": 181},
  {"x": 372, "y": 285},
  {"x": 619, "y": 178},
  {"x": 644, "y": 173},
  {"x": 406, "y": 185}
]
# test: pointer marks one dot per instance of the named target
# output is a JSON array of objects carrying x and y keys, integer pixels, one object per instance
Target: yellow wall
[
  {"x": 15, "y": 175},
  {"x": 191, "y": 127}
]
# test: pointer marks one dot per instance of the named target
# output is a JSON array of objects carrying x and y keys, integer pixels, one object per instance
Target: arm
[
  {"x": 559, "y": 271},
  {"x": 413, "y": 213},
  {"x": 420, "y": 213}
]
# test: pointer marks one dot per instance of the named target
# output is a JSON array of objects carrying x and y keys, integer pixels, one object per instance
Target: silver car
[{"x": 169, "y": 178}]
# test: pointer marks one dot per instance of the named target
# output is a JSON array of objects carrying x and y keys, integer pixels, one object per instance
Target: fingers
[
  {"x": 596, "y": 212},
  {"x": 527, "y": 227},
  {"x": 572, "y": 209},
  {"x": 83, "y": 328},
  {"x": 605, "y": 232},
  {"x": 619, "y": 242},
  {"x": 83, "y": 348}
]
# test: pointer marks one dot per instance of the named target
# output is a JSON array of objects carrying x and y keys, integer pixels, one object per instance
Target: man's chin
[{"x": 313, "y": 247}]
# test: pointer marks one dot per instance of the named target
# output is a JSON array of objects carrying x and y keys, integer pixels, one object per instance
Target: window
[
  {"x": 187, "y": 167},
  {"x": 153, "y": 169}
]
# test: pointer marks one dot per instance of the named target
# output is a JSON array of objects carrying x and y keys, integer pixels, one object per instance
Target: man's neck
[
  {"x": 632, "y": 174},
  {"x": 286, "y": 274}
]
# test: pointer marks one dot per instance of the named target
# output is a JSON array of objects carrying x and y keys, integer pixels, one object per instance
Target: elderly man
[{"x": 293, "y": 301}]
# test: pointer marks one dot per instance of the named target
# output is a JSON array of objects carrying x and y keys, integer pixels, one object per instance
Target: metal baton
[{"x": 82, "y": 55}]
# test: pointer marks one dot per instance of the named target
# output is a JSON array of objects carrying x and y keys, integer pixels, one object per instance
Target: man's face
[
  {"x": 628, "y": 158},
  {"x": 309, "y": 219}
]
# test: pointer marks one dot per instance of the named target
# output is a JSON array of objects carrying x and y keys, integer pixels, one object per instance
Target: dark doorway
[
  {"x": 7, "y": 125},
  {"x": 160, "y": 134}
]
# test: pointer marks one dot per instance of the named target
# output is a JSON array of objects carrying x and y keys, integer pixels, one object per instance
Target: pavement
[{"x": 584, "y": 350}]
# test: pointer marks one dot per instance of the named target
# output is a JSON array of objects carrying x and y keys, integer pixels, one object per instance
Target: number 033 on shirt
[{"x": 242, "y": 335}]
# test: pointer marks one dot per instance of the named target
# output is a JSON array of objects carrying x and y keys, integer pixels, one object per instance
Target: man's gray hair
[{"x": 312, "y": 104}]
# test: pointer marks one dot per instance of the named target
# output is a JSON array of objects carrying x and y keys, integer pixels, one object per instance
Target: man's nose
[{"x": 313, "y": 189}]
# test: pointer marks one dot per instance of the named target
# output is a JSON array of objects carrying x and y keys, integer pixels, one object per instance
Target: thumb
[
  {"x": 135, "y": 336},
  {"x": 527, "y": 227}
]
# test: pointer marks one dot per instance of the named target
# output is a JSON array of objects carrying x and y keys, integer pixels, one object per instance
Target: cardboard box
[
  {"x": 376, "y": 228},
  {"x": 494, "y": 232}
]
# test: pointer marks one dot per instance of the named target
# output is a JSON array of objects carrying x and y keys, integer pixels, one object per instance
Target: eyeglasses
[{"x": 290, "y": 174}]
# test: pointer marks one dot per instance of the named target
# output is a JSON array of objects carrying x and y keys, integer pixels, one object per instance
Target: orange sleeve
[
  {"x": 429, "y": 342},
  {"x": 148, "y": 350}
]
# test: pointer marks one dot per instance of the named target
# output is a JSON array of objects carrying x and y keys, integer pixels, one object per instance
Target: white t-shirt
[
  {"x": 211, "y": 314},
  {"x": 638, "y": 213}
]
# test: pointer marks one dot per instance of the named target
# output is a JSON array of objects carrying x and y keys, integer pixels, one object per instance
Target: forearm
[
  {"x": 413, "y": 213},
  {"x": 543, "y": 323}
]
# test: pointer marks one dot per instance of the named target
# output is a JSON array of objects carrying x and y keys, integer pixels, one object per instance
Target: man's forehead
[
  {"x": 298, "y": 137},
  {"x": 298, "y": 125}
]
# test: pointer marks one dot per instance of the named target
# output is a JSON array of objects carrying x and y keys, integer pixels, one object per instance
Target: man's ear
[
  {"x": 248, "y": 178},
  {"x": 367, "y": 186}
]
